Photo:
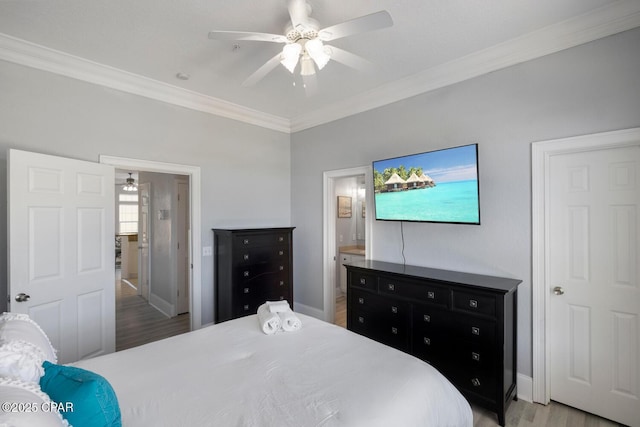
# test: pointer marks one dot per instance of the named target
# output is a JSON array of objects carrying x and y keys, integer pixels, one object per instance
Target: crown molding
[
  {"x": 598, "y": 23},
  {"x": 36, "y": 56},
  {"x": 611, "y": 19}
]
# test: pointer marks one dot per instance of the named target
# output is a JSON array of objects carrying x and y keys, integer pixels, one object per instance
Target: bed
[{"x": 233, "y": 374}]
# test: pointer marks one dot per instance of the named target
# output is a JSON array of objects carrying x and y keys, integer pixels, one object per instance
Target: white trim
[
  {"x": 196, "y": 222},
  {"x": 309, "y": 311},
  {"x": 601, "y": 22},
  {"x": 54, "y": 61},
  {"x": 541, "y": 153},
  {"x": 162, "y": 305},
  {"x": 525, "y": 387},
  {"x": 329, "y": 226},
  {"x": 598, "y": 23}
]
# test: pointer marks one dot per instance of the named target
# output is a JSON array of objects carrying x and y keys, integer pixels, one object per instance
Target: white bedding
[{"x": 232, "y": 374}]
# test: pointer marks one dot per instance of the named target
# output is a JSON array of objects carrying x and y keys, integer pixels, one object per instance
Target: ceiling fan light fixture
[
  {"x": 317, "y": 52},
  {"x": 306, "y": 66},
  {"x": 290, "y": 56},
  {"x": 130, "y": 185}
]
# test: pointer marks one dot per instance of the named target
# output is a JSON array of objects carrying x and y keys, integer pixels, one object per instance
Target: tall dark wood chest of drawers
[
  {"x": 463, "y": 324},
  {"x": 251, "y": 266}
]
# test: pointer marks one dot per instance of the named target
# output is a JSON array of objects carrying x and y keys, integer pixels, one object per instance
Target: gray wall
[
  {"x": 587, "y": 89},
  {"x": 245, "y": 169}
]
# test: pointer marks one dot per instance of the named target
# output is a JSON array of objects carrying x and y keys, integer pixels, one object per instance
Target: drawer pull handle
[
  {"x": 475, "y": 330},
  {"x": 360, "y": 319},
  {"x": 281, "y": 282},
  {"x": 360, "y": 300},
  {"x": 245, "y": 241},
  {"x": 281, "y": 298},
  {"x": 246, "y": 274},
  {"x": 363, "y": 281},
  {"x": 394, "y": 309},
  {"x": 431, "y": 295},
  {"x": 475, "y": 356},
  {"x": 281, "y": 267},
  {"x": 246, "y": 257},
  {"x": 475, "y": 382},
  {"x": 246, "y": 290},
  {"x": 427, "y": 341},
  {"x": 473, "y": 303},
  {"x": 280, "y": 253},
  {"x": 427, "y": 318},
  {"x": 246, "y": 307},
  {"x": 280, "y": 239},
  {"x": 394, "y": 330},
  {"x": 391, "y": 286}
]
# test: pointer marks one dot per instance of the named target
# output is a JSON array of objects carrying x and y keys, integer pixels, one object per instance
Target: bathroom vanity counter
[{"x": 351, "y": 250}]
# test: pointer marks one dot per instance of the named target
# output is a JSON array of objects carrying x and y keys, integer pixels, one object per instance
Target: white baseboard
[
  {"x": 309, "y": 311},
  {"x": 161, "y": 305},
  {"x": 525, "y": 387}
]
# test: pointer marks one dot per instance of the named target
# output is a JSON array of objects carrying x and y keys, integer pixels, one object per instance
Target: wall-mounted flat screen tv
[{"x": 436, "y": 186}]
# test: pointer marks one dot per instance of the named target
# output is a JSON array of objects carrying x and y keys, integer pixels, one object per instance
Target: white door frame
[
  {"x": 193, "y": 172},
  {"x": 330, "y": 209},
  {"x": 541, "y": 153}
]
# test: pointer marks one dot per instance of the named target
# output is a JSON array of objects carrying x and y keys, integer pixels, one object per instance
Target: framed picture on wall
[{"x": 344, "y": 207}]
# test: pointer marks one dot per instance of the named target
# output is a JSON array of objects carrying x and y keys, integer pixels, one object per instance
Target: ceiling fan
[{"x": 304, "y": 42}]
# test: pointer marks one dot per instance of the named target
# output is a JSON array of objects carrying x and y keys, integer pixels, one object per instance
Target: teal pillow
[{"x": 86, "y": 399}]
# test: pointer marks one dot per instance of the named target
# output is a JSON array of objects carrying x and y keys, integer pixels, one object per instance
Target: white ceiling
[{"x": 431, "y": 44}]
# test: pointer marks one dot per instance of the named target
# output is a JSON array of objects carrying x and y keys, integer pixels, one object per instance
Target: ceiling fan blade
[
  {"x": 350, "y": 60},
  {"x": 259, "y": 74},
  {"x": 374, "y": 21},
  {"x": 247, "y": 35},
  {"x": 298, "y": 12}
]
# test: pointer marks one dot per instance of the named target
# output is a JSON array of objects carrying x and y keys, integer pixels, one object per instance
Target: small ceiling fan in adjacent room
[{"x": 304, "y": 42}]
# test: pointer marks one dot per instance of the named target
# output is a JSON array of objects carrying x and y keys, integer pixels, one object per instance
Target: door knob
[
  {"x": 21, "y": 297},
  {"x": 558, "y": 290}
]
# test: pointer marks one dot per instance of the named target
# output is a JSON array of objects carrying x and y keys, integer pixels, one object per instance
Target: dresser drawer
[
  {"x": 385, "y": 308},
  {"x": 430, "y": 347},
  {"x": 432, "y": 320},
  {"x": 475, "y": 381},
  {"x": 261, "y": 255},
  {"x": 370, "y": 324},
  {"x": 253, "y": 240},
  {"x": 266, "y": 272},
  {"x": 362, "y": 280},
  {"x": 424, "y": 292},
  {"x": 475, "y": 330},
  {"x": 474, "y": 303}
]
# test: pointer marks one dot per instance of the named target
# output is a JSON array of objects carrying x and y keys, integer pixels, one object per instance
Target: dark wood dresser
[
  {"x": 252, "y": 265},
  {"x": 463, "y": 324}
]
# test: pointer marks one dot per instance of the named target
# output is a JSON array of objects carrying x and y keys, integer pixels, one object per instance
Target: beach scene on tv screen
[{"x": 438, "y": 186}]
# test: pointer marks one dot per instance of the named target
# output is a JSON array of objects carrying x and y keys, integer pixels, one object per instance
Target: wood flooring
[{"x": 139, "y": 323}]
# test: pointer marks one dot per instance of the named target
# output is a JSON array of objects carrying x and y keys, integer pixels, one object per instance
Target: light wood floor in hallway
[
  {"x": 520, "y": 413},
  {"x": 139, "y": 323}
]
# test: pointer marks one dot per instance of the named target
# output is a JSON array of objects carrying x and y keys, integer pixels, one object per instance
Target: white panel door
[
  {"x": 144, "y": 192},
  {"x": 183, "y": 269},
  {"x": 594, "y": 307},
  {"x": 61, "y": 250}
]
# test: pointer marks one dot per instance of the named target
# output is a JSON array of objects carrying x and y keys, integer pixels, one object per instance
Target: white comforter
[{"x": 232, "y": 374}]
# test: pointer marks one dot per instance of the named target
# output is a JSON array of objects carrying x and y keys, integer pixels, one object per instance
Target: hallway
[{"x": 139, "y": 323}]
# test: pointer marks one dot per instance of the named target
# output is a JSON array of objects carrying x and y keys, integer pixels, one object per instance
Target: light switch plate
[{"x": 207, "y": 251}]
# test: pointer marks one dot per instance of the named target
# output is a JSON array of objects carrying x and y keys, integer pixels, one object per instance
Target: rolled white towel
[
  {"x": 270, "y": 323},
  {"x": 290, "y": 322},
  {"x": 278, "y": 306}
]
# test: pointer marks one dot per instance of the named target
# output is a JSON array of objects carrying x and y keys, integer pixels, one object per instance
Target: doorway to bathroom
[{"x": 347, "y": 233}]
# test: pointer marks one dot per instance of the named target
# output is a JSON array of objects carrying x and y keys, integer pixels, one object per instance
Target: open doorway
[
  {"x": 347, "y": 232},
  {"x": 152, "y": 277}
]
